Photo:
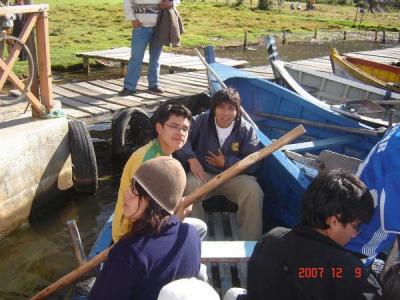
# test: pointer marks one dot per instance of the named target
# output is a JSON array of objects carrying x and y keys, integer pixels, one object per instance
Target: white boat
[{"x": 365, "y": 103}]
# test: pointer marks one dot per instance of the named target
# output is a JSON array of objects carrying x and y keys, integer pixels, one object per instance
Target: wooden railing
[{"x": 42, "y": 100}]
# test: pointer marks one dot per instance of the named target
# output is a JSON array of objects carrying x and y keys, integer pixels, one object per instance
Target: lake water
[{"x": 37, "y": 254}]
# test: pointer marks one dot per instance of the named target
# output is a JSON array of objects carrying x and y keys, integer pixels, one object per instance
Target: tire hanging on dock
[
  {"x": 200, "y": 104},
  {"x": 84, "y": 164},
  {"x": 140, "y": 131}
]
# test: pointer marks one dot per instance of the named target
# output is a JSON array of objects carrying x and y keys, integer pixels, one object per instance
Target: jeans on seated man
[{"x": 218, "y": 139}]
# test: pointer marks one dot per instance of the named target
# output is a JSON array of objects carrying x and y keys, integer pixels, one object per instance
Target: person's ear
[
  {"x": 333, "y": 221},
  {"x": 159, "y": 128}
]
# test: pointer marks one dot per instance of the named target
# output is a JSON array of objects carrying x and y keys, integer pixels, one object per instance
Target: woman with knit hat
[{"x": 159, "y": 248}]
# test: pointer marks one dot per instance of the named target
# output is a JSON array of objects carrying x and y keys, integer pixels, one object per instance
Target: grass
[{"x": 87, "y": 25}]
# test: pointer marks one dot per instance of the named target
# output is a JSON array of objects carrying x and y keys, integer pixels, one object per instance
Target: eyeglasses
[
  {"x": 356, "y": 227},
  {"x": 177, "y": 128}
]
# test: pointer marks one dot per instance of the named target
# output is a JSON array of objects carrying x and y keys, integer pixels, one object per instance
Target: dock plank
[
  {"x": 167, "y": 59},
  {"x": 96, "y": 100},
  {"x": 86, "y": 99}
]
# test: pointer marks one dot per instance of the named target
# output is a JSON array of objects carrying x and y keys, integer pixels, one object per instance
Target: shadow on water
[{"x": 39, "y": 253}]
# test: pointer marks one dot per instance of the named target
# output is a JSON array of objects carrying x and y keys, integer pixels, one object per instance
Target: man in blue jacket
[
  {"x": 218, "y": 139},
  {"x": 380, "y": 172}
]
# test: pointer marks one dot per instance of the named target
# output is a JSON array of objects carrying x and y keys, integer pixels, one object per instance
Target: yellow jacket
[{"x": 120, "y": 225}]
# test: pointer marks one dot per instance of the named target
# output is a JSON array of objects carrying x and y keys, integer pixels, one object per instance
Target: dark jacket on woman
[
  {"x": 137, "y": 268},
  {"x": 304, "y": 264}
]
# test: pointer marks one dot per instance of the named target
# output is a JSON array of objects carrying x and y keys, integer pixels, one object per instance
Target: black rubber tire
[
  {"x": 84, "y": 164},
  {"x": 140, "y": 131},
  {"x": 200, "y": 104}
]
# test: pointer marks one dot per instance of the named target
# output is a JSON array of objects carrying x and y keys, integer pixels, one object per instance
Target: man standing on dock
[
  {"x": 143, "y": 16},
  {"x": 218, "y": 139},
  {"x": 172, "y": 128}
]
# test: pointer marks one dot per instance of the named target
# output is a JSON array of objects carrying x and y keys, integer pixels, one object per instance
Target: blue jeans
[{"x": 141, "y": 37}]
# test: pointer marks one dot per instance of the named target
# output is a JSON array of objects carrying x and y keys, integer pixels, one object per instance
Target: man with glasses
[
  {"x": 218, "y": 139},
  {"x": 309, "y": 261},
  {"x": 172, "y": 122}
]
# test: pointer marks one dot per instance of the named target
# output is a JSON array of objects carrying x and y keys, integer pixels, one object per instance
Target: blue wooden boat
[{"x": 276, "y": 110}]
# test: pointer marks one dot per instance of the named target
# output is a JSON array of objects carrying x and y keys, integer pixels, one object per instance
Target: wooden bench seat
[{"x": 226, "y": 251}]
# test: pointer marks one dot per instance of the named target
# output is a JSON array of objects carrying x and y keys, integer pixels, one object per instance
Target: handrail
[{"x": 22, "y": 9}]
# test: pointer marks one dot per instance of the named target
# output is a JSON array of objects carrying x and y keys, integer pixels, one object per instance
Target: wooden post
[
  {"x": 32, "y": 48},
  {"x": 86, "y": 65},
  {"x": 315, "y": 33},
  {"x": 245, "y": 40},
  {"x": 383, "y": 37},
  {"x": 376, "y": 35},
  {"x": 284, "y": 38},
  {"x": 355, "y": 19},
  {"x": 123, "y": 68},
  {"x": 45, "y": 77},
  {"x": 399, "y": 36},
  {"x": 344, "y": 35}
]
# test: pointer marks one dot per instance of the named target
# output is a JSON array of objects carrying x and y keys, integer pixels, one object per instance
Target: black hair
[
  {"x": 336, "y": 193},
  {"x": 228, "y": 95},
  {"x": 164, "y": 112},
  {"x": 391, "y": 282},
  {"x": 153, "y": 218}
]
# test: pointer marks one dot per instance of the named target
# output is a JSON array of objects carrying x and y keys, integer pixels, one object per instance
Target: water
[{"x": 37, "y": 254}]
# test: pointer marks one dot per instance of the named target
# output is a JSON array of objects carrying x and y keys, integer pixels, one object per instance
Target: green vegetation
[{"x": 86, "y": 25}]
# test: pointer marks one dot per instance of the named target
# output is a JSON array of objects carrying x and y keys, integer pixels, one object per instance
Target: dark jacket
[
  {"x": 203, "y": 137},
  {"x": 304, "y": 264},
  {"x": 169, "y": 28},
  {"x": 137, "y": 268}
]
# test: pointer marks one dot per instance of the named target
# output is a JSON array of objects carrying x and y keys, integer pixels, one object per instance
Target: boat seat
[
  {"x": 223, "y": 253},
  {"x": 326, "y": 160},
  {"x": 322, "y": 143},
  {"x": 226, "y": 251},
  {"x": 310, "y": 89}
]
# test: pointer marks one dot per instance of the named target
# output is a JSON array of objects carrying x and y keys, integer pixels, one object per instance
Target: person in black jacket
[{"x": 309, "y": 261}]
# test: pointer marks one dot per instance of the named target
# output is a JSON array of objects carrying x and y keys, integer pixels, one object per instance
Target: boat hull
[
  {"x": 335, "y": 90},
  {"x": 384, "y": 72},
  {"x": 344, "y": 68},
  {"x": 282, "y": 180}
]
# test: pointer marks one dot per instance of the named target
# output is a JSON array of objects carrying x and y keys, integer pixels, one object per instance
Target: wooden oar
[{"x": 193, "y": 197}]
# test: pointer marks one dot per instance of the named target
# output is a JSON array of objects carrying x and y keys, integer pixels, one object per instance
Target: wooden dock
[
  {"x": 97, "y": 100},
  {"x": 170, "y": 60}
]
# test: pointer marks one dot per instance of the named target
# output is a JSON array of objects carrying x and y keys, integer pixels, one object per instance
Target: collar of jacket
[
  {"x": 211, "y": 122},
  {"x": 313, "y": 234}
]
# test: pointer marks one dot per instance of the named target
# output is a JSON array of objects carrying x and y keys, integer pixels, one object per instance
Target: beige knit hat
[{"x": 164, "y": 179}]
